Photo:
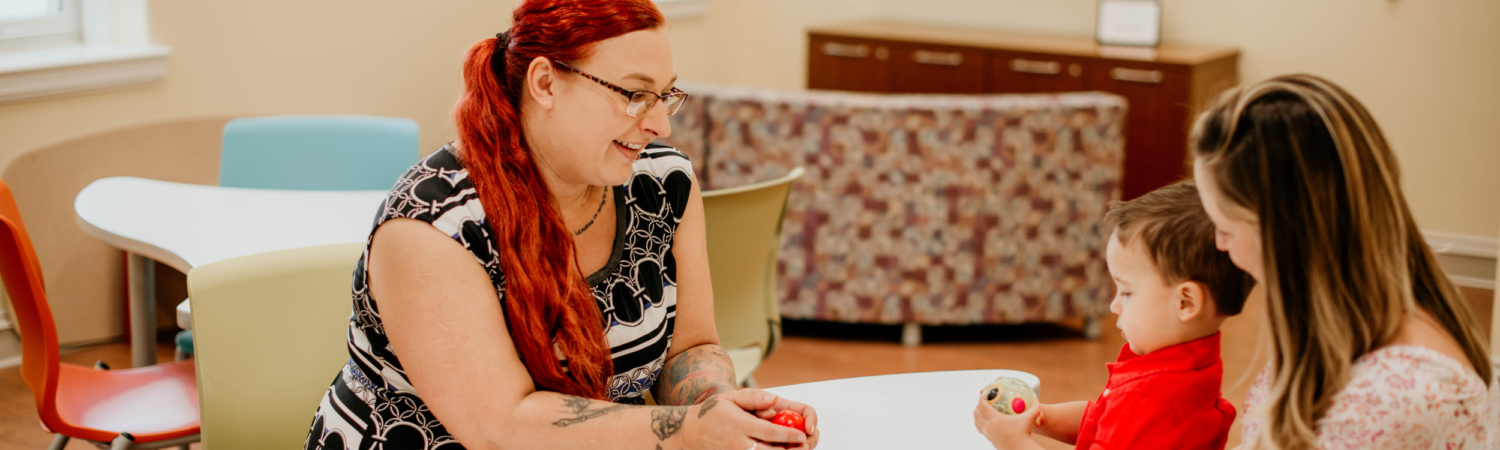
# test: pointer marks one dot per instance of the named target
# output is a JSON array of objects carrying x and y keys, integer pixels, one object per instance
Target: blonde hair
[{"x": 1344, "y": 261}]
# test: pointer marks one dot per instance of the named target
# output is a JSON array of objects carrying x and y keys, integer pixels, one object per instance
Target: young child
[{"x": 1173, "y": 289}]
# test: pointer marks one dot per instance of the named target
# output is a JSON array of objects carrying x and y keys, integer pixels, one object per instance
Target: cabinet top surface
[{"x": 1025, "y": 42}]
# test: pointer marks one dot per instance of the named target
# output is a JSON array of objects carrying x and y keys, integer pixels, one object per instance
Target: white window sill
[
  {"x": 65, "y": 70},
  {"x": 682, "y": 9}
]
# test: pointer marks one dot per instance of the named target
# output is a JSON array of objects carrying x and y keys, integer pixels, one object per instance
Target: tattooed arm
[
  {"x": 697, "y": 368},
  {"x": 698, "y": 371},
  {"x": 694, "y": 376},
  {"x": 443, "y": 318}
]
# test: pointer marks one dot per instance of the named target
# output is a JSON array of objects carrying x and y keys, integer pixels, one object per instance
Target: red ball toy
[{"x": 790, "y": 419}]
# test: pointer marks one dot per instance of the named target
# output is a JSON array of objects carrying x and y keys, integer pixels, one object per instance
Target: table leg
[{"x": 142, "y": 272}]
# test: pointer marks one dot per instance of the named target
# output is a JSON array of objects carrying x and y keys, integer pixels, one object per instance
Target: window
[
  {"x": 38, "y": 22},
  {"x": 54, "y": 47}
]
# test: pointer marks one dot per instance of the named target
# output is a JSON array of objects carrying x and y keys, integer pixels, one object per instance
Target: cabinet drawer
[
  {"x": 848, "y": 64},
  {"x": 918, "y": 68},
  {"x": 1016, "y": 72}
]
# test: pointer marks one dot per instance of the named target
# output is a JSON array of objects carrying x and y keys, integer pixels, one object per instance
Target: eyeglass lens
[{"x": 642, "y": 102}]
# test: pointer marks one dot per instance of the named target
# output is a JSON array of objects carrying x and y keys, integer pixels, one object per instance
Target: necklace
[{"x": 596, "y": 214}]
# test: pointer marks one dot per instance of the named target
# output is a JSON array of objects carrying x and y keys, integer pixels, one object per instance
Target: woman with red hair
[{"x": 543, "y": 274}]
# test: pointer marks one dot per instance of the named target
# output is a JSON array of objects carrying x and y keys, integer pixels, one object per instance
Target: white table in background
[
  {"x": 189, "y": 225},
  {"x": 907, "y": 411}
]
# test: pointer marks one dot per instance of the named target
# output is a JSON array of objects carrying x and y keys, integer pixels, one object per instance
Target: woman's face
[
  {"x": 584, "y": 135},
  {"x": 1235, "y": 233}
]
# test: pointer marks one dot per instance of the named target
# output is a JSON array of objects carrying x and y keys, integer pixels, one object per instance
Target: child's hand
[{"x": 1006, "y": 431}]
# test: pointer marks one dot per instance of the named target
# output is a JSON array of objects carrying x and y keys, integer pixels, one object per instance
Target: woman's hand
[
  {"x": 729, "y": 422},
  {"x": 809, "y": 415},
  {"x": 1004, "y": 431}
]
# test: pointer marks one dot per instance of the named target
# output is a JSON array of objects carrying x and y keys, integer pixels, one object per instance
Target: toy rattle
[{"x": 1009, "y": 395}]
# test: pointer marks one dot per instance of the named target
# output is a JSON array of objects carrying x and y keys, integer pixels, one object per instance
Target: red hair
[{"x": 547, "y": 302}]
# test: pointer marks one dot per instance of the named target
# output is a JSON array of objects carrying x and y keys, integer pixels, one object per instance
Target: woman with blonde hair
[{"x": 1372, "y": 347}]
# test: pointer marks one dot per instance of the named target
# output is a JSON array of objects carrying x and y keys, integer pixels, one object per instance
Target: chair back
[
  {"x": 22, "y": 276},
  {"x": 317, "y": 152},
  {"x": 270, "y": 334},
  {"x": 744, "y": 233}
]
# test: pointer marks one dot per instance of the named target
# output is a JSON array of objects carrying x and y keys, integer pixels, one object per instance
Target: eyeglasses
[{"x": 640, "y": 102}]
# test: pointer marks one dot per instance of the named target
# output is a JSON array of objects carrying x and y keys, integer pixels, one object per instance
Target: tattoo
[
  {"x": 696, "y": 375},
  {"x": 579, "y": 407},
  {"x": 707, "y": 405},
  {"x": 667, "y": 421}
]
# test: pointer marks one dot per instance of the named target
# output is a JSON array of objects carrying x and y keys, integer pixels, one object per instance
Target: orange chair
[{"x": 140, "y": 408}]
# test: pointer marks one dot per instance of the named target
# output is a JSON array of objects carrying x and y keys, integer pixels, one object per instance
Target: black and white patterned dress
[{"x": 371, "y": 405}]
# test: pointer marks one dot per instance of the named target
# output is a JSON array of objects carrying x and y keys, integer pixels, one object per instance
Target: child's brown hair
[{"x": 1178, "y": 237}]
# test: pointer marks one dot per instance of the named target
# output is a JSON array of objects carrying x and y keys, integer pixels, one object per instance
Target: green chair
[
  {"x": 271, "y": 330},
  {"x": 317, "y": 153},
  {"x": 744, "y": 233}
]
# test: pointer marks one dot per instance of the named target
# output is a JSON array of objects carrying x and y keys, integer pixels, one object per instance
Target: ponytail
[{"x": 549, "y": 308}]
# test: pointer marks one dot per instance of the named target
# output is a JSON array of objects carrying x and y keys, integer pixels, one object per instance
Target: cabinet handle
[
  {"x": 846, "y": 50},
  {"x": 938, "y": 58},
  {"x": 1136, "y": 75},
  {"x": 1037, "y": 67}
]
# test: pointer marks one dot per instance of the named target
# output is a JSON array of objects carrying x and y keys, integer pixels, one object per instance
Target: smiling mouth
[{"x": 630, "y": 150}]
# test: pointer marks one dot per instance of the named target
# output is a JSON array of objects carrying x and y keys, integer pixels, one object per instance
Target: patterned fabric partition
[{"x": 926, "y": 209}]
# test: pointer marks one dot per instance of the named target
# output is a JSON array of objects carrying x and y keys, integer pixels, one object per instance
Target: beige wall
[
  {"x": 1427, "y": 69},
  {"x": 757, "y": 42}
]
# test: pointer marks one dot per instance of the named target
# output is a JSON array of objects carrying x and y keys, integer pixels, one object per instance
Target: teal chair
[
  {"x": 315, "y": 153},
  {"x": 321, "y": 153}
]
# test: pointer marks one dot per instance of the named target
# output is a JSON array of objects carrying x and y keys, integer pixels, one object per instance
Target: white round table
[
  {"x": 907, "y": 411},
  {"x": 189, "y": 225}
]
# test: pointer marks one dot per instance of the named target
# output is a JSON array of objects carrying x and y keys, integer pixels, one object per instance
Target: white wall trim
[
  {"x": 682, "y": 9},
  {"x": 1462, "y": 245},
  {"x": 1469, "y": 247},
  {"x": 1472, "y": 282},
  {"x": 67, "y": 70}
]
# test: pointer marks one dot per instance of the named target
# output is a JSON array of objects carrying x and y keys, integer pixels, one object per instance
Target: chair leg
[
  {"x": 911, "y": 334},
  {"x": 1093, "y": 328},
  {"x": 178, "y": 355},
  {"x": 122, "y": 442},
  {"x": 58, "y": 442}
]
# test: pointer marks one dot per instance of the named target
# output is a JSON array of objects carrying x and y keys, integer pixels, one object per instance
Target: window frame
[
  {"x": 63, "y": 27},
  {"x": 113, "y": 49}
]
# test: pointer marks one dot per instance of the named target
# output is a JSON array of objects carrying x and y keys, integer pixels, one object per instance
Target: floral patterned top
[{"x": 1400, "y": 397}]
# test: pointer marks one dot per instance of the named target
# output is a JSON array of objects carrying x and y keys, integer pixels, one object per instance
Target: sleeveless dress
[
  {"x": 1400, "y": 397},
  {"x": 372, "y": 405}
]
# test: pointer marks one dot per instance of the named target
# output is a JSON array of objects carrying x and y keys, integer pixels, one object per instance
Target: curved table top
[
  {"x": 188, "y": 225},
  {"x": 905, "y": 411}
]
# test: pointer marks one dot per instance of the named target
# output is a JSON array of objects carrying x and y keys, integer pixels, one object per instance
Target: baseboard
[{"x": 1469, "y": 260}]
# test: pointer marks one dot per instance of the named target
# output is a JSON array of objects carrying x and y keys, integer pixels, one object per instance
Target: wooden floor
[{"x": 1070, "y": 367}]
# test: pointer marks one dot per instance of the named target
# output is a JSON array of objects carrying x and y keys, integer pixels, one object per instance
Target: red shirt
[{"x": 1166, "y": 399}]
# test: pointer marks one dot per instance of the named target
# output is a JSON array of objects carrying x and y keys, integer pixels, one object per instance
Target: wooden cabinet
[
  {"x": 851, "y": 63},
  {"x": 1164, "y": 85}
]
